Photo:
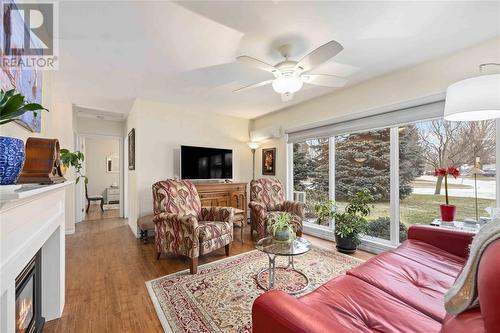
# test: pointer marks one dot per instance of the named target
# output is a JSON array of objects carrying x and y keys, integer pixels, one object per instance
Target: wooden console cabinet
[{"x": 223, "y": 194}]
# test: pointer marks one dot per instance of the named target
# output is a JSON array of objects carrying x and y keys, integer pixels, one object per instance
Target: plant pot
[
  {"x": 448, "y": 213},
  {"x": 282, "y": 236},
  {"x": 12, "y": 156},
  {"x": 345, "y": 244}
]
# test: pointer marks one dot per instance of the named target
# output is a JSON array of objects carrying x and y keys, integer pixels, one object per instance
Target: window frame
[{"x": 369, "y": 243}]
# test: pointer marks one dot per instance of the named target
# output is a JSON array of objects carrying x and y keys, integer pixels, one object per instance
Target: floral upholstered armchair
[
  {"x": 267, "y": 197},
  {"x": 183, "y": 227}
]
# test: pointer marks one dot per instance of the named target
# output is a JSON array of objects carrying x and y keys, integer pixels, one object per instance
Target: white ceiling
[{"x": 183, "y": 53}]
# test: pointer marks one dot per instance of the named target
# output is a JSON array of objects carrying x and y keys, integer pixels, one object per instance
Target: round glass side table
[{"x": 273, "y": 249}]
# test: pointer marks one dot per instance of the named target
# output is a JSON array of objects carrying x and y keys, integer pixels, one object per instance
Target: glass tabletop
[{"x": 298, "y": 246}]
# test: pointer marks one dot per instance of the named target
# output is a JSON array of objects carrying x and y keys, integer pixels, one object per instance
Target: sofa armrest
[
  {"x": 222, "y": 214},
  {"x": 453, "y": 241},
  {"x": 276, "y": 311}
]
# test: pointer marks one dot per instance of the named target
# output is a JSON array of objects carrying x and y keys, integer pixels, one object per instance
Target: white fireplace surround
[{"x": 32, "y": 219}]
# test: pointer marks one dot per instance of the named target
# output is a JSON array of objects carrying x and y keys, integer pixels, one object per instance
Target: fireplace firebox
[{"x": 29, "y": 297}]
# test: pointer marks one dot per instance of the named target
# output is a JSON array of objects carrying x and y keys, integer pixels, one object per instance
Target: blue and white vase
[{"x": 12, "y": 155}]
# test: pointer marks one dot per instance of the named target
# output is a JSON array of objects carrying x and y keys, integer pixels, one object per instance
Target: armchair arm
[
  {"x": 223, "y": 214},
  {"x": 259, "y": 210},
  {"x": 183, "y": 234},
  {"x": 258, "y": 214},
  {"x": 189, "y": 222},
  {"x": 276, "y": 311},
  {"x": 454, "y": 241},
  {"x": 295, "y": 207}
]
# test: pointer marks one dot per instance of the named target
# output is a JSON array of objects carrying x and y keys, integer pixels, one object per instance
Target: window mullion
[
  {"x": 394, "y": 184},
  {"x": 497, "y": 160},
  {"x": 331, "y": 172}
]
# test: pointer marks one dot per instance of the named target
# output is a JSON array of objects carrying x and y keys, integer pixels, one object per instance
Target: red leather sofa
[{"x": 397, "y": 291}]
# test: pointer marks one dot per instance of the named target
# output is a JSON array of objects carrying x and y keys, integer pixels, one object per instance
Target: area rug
[{"x": 219, "y": 298}]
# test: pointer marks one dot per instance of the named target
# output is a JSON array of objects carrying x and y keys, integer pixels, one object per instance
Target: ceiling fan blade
[
  {"x": 324, "y": 80},
  {"x": 286, "y": 97},
  {"x": 255, "y": 85},
  {"x": 246, "y": 60},
  {"x": 320, "y": 55}
]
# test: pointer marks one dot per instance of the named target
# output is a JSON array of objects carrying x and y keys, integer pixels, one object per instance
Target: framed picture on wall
[
  {"x": 131, "y": 149},
  {"x": 269, "y": 161}
]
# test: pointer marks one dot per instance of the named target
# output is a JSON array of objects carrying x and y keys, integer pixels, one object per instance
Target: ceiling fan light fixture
[{"x": 287, "y": 84}]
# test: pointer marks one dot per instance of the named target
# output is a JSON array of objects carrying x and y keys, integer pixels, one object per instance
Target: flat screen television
[{"x": 206, "y": 163}]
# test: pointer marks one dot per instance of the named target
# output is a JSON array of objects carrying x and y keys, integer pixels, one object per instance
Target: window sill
[{"x": 368, "y": 244}]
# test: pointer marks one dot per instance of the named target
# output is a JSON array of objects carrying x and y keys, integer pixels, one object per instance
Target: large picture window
[{"x": 396, "y": 164}]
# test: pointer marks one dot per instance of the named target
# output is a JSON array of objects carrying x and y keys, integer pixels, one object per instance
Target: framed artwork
[
  {"x": 26, "y": 80},
  {"x": 269, "y": 161},
  {"x": 131, "y": 149}
]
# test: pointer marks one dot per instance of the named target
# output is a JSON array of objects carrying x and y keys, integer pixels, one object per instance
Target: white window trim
[
  {"x": 497, "y": 161},
  {"x": 394, "y": 184}
]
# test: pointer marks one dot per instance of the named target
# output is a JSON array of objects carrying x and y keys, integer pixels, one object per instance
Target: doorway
[{"x": 102, "y": 195}]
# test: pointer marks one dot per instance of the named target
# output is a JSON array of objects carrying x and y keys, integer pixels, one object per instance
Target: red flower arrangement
[
  {"x": 447, "y": 210},
  {"x": 444, "y": 172}
]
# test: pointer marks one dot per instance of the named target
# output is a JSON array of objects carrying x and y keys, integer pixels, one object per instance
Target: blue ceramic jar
[{"x": 12, "y": 155}]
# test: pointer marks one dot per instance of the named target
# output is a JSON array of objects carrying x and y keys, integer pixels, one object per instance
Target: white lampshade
[
  {"x": 253, "y": 145},
  {"x": 473, "y": 99},
  {"x": 287, "y": 84}
]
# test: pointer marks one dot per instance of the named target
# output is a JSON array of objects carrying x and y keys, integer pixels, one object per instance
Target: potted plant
[
  {"x": 280, "y": 227},
  {"x": 352, "y": 223},
  {"x": 325, "y": 210},
  {"x": 12, "y": 152},
  {"x": 73, "y": 159},
  {"x": 447, "y": 211}
]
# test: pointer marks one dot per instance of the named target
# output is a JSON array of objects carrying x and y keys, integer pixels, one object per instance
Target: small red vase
[{"x": 448, "y": 213}]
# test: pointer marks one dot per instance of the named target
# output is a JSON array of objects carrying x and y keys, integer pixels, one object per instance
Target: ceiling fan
[{"x": 290, "y": 76}]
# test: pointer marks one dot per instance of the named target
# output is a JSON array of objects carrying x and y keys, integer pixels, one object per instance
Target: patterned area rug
[{"x": 219, "y": 298}]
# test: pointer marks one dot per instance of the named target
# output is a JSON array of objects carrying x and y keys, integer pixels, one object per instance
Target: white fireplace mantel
[{"x": 32, "y": 218}]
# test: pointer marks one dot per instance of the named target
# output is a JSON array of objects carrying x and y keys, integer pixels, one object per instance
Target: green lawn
[{"x": 420, "y": 208}]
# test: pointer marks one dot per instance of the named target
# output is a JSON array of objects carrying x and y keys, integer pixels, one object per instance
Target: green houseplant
[
  {"x": 75, "y": 160},
  {"x": 12, "y": 154},
  {"x": 13, "y": 105},
  {"x": 325, "y": 210},
  {"x": 352, "y": 223},
  {"x": 280, "y": 227}
]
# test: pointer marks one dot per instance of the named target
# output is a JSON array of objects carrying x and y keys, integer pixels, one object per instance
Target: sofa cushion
[
  {"x": 431, "y": 256},
  {"x": 354, "y": 302},
  {"x": 420, "y": 286},
  {"x": 210, "y": 230}
]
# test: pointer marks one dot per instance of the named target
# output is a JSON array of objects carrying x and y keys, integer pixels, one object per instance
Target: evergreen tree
[
  {"x": 411, "y": 159},
  {"x": 301, "y": 169},
  {"x": 320, "y": 165},
  {"x": 362, "y": 161}
]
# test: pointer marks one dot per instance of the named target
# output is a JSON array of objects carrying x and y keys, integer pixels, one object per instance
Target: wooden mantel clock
[{"x": 42, "y": 164}]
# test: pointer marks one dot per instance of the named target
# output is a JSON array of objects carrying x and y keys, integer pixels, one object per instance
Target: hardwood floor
[
  {"x": 95, "y": 213},
  {"x": 106, "y": 267}
]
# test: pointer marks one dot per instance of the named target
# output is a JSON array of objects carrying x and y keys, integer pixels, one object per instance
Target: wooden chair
[{"x": 93, "y": 198}]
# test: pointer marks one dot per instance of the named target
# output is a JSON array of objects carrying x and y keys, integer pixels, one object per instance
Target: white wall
[
  {"x": 132, "y": 175},
  {"x": 426, "y": 79},
  {"x": 58, "y": 123},
  {"x": 160, "y": 131},
  {"x": 86, "y": 125},
  {"x": 96, "y": 152}
]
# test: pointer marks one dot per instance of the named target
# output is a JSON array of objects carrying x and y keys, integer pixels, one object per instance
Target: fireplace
[{"x": 29, "y": 297}]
